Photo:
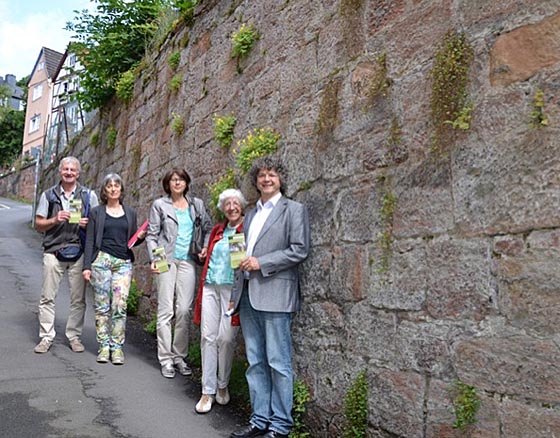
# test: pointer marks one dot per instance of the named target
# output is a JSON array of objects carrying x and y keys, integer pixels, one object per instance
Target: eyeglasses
[{"x": 177, "y": 180}]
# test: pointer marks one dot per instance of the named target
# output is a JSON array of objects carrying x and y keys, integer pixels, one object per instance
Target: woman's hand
[
  {"x": 86, "y": 274},
  {"x": 202, "y": 254},
  {"x": 142, "y": 234},
  {"x": 153, "y": 268}
]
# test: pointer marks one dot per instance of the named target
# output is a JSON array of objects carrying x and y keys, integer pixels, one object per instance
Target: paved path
[{"x": 64, "y": 394}]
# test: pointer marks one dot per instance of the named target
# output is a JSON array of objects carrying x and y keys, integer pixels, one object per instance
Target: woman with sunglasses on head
[{"x": 172, "y": 225}]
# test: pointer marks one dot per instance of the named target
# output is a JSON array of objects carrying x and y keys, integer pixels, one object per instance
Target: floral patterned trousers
[{"x": 110, "y": 278}]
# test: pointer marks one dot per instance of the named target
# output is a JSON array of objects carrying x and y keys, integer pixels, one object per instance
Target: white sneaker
[
  {"x": 222, "y": 396},
  {"x": 204, "y": 405}
]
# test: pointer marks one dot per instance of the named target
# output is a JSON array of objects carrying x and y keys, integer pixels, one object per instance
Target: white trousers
[
  {"x": 175, "y": 297},
  {"x": 53, "y": 270},
  {"x": 217, "y": 338}
]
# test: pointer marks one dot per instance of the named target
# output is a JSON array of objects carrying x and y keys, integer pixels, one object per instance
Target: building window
[
  {"x": 72, "y": 60},
  {"x": 35, "y": 123},
  {"x": 37, "y": 91},
  {"x": 41, "y": 65}
]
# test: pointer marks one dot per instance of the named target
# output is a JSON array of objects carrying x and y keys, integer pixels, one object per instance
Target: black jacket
[{"x": 95, "y": 227}]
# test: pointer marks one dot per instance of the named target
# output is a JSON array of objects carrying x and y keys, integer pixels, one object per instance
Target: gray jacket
[
  {"x": 163, "y": 227},
  {"x": 281, "y": 246}
]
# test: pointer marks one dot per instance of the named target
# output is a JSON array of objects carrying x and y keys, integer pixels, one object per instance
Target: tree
[
  {"x": 109, "y": 43},
  {"x": 11, "y": 135}
]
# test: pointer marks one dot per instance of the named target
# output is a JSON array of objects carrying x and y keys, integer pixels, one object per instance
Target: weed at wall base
[{"x": 356, "y": 407}]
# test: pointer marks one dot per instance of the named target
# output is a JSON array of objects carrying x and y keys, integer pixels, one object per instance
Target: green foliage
[
  {"x": 463, "y": 120},
  {"x": 386, "y": 239},
  {"x": 125, "y": 85},
  {"x": 151, "y": 326},
  {"x": 243, "y": 41},
  {"x": 194, "y": 355},
  {"x": 175, "y": 83},
  {"x": 238, "y": 387},
  {"x": 224, "y": 182},
  {"x": 465, "y": 405},
  {"x": 301, "y": 398},
  {"x": 257, "y": 143},
  {"x": 111, "y": 137},
  {"x": 453, "y": 58},
  {"x": 305, "y": 185},
  {"x": 356, "y": 407},
  {"x": 538, "y": 118},
  {"x": 12, "y": 124},
  {"x": 95, "y": 139},
  {"x": 186, "y": 9},
  {"x": 134, "y": 295},
  {"x": 223, "y": 129},
  {"x": 177, "y": 123},
  {"x": 174, "y": 60},
  {"x": 110, "y": 42}
]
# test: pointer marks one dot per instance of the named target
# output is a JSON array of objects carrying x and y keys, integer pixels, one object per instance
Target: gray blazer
[
  {"x": 164, "y": 225},
  {"x": 281, "y": 246}
]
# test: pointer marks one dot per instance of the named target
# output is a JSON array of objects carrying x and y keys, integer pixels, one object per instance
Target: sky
[{"x": 28, "y": 25}]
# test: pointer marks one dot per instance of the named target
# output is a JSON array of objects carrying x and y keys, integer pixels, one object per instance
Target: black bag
[
  {"x": 197, "y": 241},
  {"x": 68, "y": 253}
]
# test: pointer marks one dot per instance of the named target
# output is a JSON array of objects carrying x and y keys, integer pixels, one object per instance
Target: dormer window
[{"x": 41, "y": 65}]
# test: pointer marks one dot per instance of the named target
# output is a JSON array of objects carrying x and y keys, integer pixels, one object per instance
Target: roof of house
[{"x": 52, "y": 60}]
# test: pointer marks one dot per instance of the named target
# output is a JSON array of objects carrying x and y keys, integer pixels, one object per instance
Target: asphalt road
[{"x": 66, "y": 394}]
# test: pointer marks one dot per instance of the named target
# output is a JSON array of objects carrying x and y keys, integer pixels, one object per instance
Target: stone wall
[
  {"x": 460, "y": 279},
  {"x": 19, "y": 183}
]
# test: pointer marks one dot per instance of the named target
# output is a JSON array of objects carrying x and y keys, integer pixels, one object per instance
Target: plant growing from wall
[
  {"x": 356, "y": 407},
  {"x": 301, "y": 398},
  {"x": 224, "y": 182},
  {"x": 379, "y": 83},
  {"x": 174, "y": 60},
  {"x": 453, "y": 58},
  {"x": 538, "y": 118},
  {"x": 133, "y": 301},
  {"x": 111, "y": 137},
  {"x": 463, "y": 120},
  {"x": 94, "y": 139},
  {"x": 465, "y": 405},
  {"x": 257, "y": 143},
  {"x": 125, "y": 86},
  {"x": 386, "y": 236},
  {"x": 223, "y": 129},
  {"x": 177, "y": 123},
  {"x": 243, "y": 41},
  {"x": 175, "y": 83}
]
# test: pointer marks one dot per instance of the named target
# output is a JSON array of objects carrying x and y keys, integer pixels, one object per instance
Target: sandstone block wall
[{"x": 461, "y": 279}]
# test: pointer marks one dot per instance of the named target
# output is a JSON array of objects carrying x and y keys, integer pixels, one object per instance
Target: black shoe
[
  {"x": 274, "y": 434},
  {"x": 247, "y": 432}
]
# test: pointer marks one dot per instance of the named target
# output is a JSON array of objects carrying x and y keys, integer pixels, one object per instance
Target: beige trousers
[
  {"x": 175, "y": 296},
  {"x": 53, "y": 270}
]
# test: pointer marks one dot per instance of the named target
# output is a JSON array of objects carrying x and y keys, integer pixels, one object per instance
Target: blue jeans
[{"x": 270, "y": 377}]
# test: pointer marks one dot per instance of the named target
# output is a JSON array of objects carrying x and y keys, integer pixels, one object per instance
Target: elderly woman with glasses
[
  {"x": 217, "y": 330},
  {"x": 171, "y": 229},
  {"x": 108, "y": 266}
]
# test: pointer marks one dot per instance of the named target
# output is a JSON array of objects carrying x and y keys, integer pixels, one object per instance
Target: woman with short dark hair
[{"x": 172, "y": 224}]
